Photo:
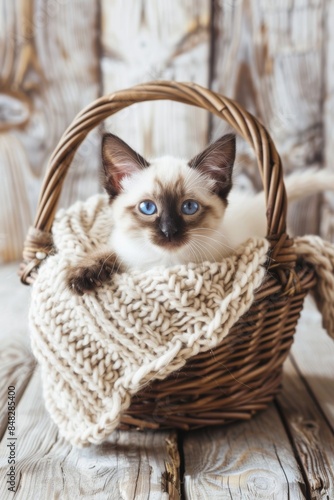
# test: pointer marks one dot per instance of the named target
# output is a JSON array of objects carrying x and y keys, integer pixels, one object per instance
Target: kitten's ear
[
  {"x": 119, "y": 160},
  {"x": 217, "y": 162}
]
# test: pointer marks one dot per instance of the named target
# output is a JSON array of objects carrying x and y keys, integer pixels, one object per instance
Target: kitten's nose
[{"x": 168, "y": 228}]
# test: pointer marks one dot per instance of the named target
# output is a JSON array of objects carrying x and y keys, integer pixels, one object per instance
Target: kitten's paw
[{"x": 83, "y": 278}]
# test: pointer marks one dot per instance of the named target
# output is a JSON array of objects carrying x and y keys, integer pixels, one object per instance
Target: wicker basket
[{"x": 243, "y": 374}]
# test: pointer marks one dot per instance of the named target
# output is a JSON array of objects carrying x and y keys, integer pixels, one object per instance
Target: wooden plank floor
[{"x": 286, "y": 452}]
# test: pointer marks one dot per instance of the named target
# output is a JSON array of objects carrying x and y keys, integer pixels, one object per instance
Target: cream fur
[
  {"x": 242, "y": 219},
  {"x": 135, "y": 247}
]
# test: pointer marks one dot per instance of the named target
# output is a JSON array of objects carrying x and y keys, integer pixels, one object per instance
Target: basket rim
[{"x": 39, "y": 238}]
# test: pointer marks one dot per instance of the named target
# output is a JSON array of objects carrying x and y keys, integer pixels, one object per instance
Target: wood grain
[
  {"x": 268, "y": 56},
  {"x": 16, "y": 360},
  {"x": 16, "y": 368},
  {"x": 313, "y": 353},
  {"x": 164, "y": 40},
  {"x": 14, "y": 305},
  {"x": 129, "y": 465},
  {"x": 327, "y": 207},
  {"x": 48, "y": 72},
  {"x": 311, "y": 435},
  {"x": 248, "y": 460}
]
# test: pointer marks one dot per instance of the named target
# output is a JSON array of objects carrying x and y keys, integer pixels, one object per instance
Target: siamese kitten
[{"x": 171, "y": 211}]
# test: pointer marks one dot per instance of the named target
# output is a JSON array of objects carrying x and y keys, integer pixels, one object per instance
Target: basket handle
[{"x": 39, "y": 239}]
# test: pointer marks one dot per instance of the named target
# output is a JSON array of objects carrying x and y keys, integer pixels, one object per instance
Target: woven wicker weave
[{"x": 243, "y": 374}]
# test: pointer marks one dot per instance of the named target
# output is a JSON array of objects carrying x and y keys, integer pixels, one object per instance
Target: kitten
[{"x": 169, "y": 211}]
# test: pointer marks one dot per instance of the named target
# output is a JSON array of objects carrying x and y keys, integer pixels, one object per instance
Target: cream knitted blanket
[{"x": 98, "y": 350}]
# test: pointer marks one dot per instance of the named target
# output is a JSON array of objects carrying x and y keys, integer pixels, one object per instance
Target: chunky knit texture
[
  {"x": 320, "y": 254},
  {"x": 98, "y": 350}
]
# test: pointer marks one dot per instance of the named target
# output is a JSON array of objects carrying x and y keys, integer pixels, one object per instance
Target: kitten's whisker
[
  {"x": 207, "y": 242},
  {"x": 196, "y": 252},
  {"x": 199, "y": 235},
  {"x": 207, "y": 251},
  {"x": 194, "y": 232},
  {"x": 104, "y": 261},
  {"x": 192, "y": 251},
  {"x": 120, "y": 262},
  {"x": 204, "y": 249},
  {"x": 207, "y": 229},
  {"x": 222, "y": 235},
  {"x": 117, "y": 260},
  {"x": 219, "y": 242}
]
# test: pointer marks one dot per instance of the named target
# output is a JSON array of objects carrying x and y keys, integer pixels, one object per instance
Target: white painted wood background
[{"x": 275, "y": 56}]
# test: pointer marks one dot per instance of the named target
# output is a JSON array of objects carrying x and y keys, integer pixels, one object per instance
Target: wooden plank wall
[
  {"x": 169, "y": 41},
  {"x": 49, "y": 70},
  {"x": 268, "y": 56},
  {"x": 275, "y": 57}
]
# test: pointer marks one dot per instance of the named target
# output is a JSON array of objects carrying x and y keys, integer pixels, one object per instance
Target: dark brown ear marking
[
  {"x": 217, "y": 161},
  {"x": 118, "y": 160}
]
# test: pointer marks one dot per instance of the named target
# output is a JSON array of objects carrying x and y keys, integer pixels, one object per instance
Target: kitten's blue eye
[
  {"x": 190, "y": 207},
  {"x": 147, "y": 207}
]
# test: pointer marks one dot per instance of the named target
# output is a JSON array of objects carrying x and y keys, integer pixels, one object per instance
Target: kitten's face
[{"x": 167, "y": 211}]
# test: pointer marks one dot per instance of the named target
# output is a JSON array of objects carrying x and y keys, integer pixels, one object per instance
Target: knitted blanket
[{"x": 98, "y": 350}]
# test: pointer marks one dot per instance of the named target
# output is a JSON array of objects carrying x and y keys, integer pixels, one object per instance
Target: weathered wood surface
[
  {"x": 160, "y": 41},
  {"x": 16, "y": 368},
  {"x": 311, "y": 435},
  {"x": 307, "y": 402},
  {"x": 49, "y": 70},
  {"x": 285, "y": 452},
  {"x": 291, "y": 450},
  {"x": 129, "y": 466},
  {"x": 313, "y": 352},
  {"x": 16, "y": 360},
  {"x": 245, "y": 460}
]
